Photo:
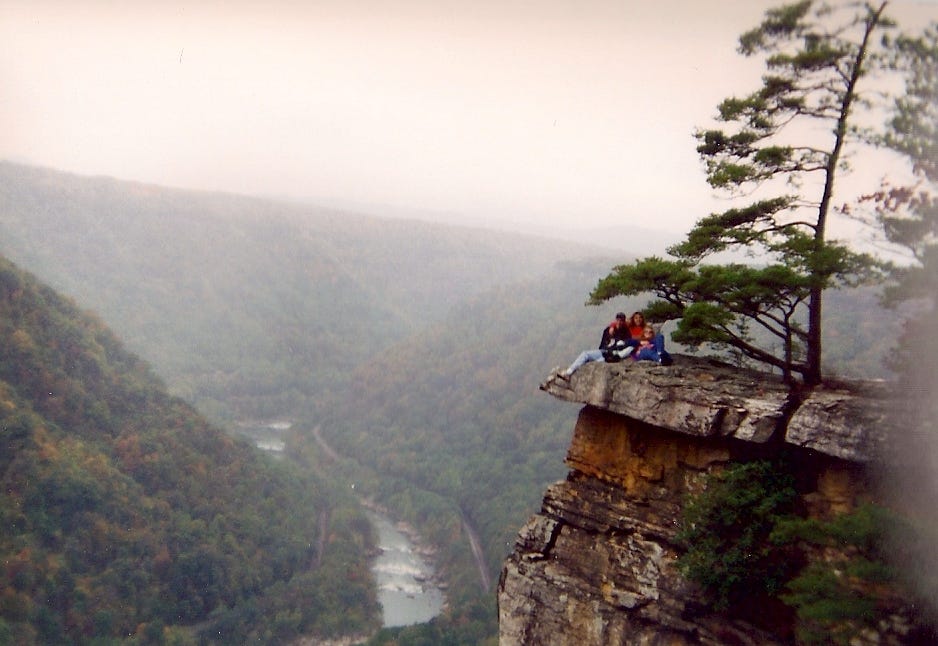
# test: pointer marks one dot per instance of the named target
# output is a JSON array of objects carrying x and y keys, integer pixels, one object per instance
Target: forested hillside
[
  {"x": 456, "y": 410},
  {"x": 125, "y": 515},
  {"x": 451, "y": 422}
]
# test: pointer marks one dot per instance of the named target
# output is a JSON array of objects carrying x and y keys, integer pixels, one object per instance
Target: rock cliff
[{"x": 597, "y": 564}]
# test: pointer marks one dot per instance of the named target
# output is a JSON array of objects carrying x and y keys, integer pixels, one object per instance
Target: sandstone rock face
[{"x": 597, "y": 566}]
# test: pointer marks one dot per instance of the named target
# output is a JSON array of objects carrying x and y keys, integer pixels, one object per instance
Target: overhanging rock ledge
[{"x": 707, "y": 398}]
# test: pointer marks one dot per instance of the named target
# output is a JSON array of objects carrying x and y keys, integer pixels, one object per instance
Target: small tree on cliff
[{"x": 815, "y": 59}]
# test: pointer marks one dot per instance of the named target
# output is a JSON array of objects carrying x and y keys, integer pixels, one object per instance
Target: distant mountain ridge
[
  {"x": 625, "y": 237},
  {"x": 275, "y": 300}
]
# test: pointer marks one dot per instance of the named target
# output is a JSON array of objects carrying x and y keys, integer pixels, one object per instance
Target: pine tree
[{"x": 816, "y": 57}]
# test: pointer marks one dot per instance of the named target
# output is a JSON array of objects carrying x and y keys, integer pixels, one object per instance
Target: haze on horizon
[{"x": 567, "y": 114}]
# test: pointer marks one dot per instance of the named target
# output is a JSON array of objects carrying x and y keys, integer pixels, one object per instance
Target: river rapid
[{"x": 406, "y": 587}]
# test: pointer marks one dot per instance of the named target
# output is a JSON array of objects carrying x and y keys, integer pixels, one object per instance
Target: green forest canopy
[{"x": 125, "y": 514}]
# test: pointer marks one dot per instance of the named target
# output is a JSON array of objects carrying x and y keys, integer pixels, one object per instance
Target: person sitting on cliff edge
[
  {"x": 637, "y": 328},
  {"x": 636, "y": 325},
  {"x": 651, "y": 348},
  {"x": 616, "y": 344},
  {"x": 620, "y": 340}
]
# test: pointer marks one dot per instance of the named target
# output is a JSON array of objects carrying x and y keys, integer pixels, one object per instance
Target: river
[
  {"x": 407, "y": 590},
  {"x": 267, "y": 436}
]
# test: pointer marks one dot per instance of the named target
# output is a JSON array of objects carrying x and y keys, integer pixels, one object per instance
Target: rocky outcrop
[
  {"x": 596, "y": 566},
  {"x": 706, "y": 398}
]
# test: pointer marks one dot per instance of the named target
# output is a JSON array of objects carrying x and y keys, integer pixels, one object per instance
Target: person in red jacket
[
  {"x": 615, "y": 340},
  {"x": 636, "y": 325}
]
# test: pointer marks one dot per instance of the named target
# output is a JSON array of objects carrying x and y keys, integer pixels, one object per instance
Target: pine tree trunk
[{"x": 812, "y": 374}]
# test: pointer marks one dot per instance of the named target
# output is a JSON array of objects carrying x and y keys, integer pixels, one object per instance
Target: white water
[
  {"x": 267, "y": 436},
  {"x": 406, "y": 589}
]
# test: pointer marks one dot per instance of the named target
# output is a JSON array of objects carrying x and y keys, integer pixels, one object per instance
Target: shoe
[{"x": 556, "y": 374}]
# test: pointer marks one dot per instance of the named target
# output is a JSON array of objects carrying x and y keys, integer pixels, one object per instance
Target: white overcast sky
[{"x": 576, "y": 113}]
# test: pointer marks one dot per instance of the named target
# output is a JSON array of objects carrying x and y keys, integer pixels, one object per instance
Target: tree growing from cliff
[{"x": 781, "y": 150}]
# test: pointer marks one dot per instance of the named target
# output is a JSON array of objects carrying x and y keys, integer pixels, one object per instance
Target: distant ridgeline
[
  {"x": 708, "y": 505},
  {"x": 250, "y": 307},
  {"x": 124, "y": 514}
]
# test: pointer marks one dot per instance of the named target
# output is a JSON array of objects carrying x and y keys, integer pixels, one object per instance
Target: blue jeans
[
  {"x": 647, "y": 354},
  {"x": 658, "y": 354},
  {"x": 585, "y": 357}
]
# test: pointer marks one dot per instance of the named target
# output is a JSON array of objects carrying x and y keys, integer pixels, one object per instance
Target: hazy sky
[{"x": 579, "y": 113}]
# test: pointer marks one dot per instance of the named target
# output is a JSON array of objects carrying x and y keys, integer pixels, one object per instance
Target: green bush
[
  {"x": 843, "y": 594},
  {"x": 726, "y": 531},
  {"x": 744, "y": 541}
]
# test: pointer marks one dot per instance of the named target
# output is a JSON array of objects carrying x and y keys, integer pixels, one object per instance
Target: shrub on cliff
[
  {"x": 852, "y": 584},
  {"x": 747, "y": 546},
  {"x": 726, "y": 530}
]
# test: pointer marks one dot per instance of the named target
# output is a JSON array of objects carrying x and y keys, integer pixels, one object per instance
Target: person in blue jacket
[{"x": 651, "y": 348}]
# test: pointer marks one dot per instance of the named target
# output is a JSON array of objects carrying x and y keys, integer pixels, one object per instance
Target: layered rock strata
[{"x": 596, "y": 566}]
